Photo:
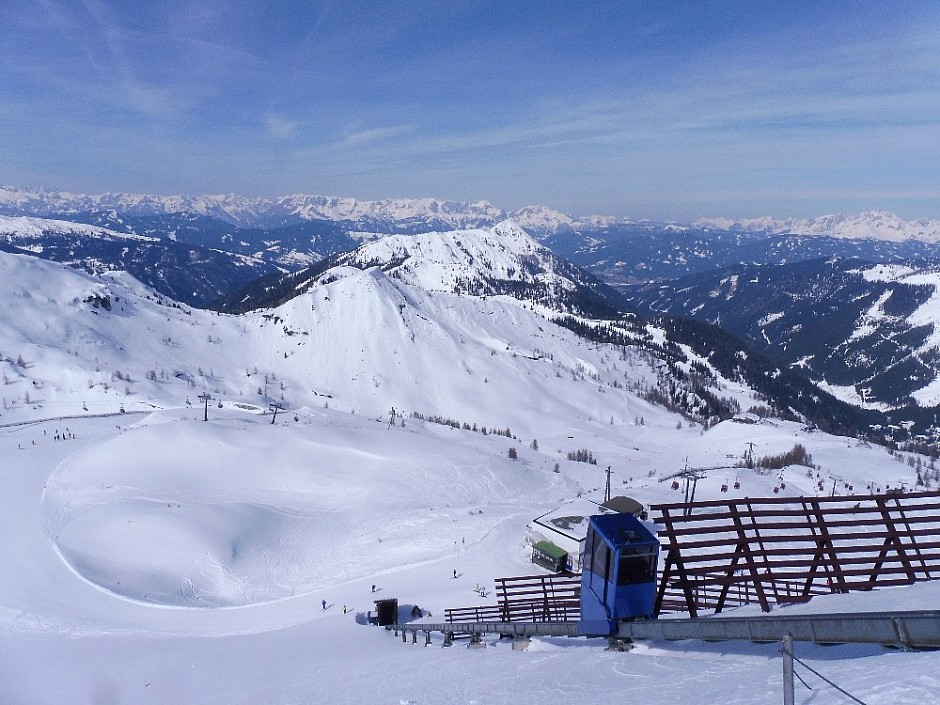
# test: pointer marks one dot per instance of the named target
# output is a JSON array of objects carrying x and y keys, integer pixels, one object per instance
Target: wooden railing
[{"x": 531, "y": 598}]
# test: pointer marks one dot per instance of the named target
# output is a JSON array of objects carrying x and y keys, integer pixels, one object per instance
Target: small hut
[{"x": 548, "y": 555}]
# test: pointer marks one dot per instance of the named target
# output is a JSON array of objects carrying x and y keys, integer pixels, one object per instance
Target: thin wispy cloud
[
  {"x": 280, "y": 127},
  {"x": 376, "y": 134}
]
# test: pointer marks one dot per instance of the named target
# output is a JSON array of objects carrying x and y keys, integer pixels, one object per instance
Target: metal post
[
  {"x": 205, "y": 397},
  {"x": 787, "y": 670}
]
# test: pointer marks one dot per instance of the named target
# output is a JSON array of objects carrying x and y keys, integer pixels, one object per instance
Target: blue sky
[{"x": 666, "y": 110}]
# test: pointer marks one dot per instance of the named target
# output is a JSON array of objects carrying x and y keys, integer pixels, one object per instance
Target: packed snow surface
[{"x": 162, "y": 558}]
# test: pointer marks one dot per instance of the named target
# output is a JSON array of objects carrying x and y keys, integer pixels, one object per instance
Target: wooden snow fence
[{"x": 726, "y": 553}]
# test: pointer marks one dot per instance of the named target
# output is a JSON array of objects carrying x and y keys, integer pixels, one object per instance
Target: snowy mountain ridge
[
  {"x": 185, "y": 272},
  {"x": 248, "y": 212},
  {"x": 868, "y": 333},
  {"x": 22, "y": 229},
  {"x": 449, "y": 261},
  {"x": 368, "y": 330},
  {"x": 494, "y": 261}
]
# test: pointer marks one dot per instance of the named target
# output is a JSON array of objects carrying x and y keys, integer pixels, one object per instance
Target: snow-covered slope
[
  {"x": 501, "y": 260},
  {"x": 361, "y": 341},
  {"x": 440, "y": 261},
  {"x": 924, "y": 318},
  {"x": 124, "y": 542},
  {"x": 480, "y": 261}
]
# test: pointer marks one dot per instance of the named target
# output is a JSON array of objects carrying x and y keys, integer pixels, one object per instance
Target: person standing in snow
[{"x": 323, "y": 602}]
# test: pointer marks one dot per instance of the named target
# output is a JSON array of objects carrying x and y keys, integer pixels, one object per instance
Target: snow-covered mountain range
[
  {"x": 362, "y": 342},
  {"x": 413, "y": 215},
  {"x": 360, "y": 339},
  {"x": 186, "y": 272},
  {"x": 875, "y": 224},
  {"x": 261, "y": 212},
  {"x": 503, "y": 259}
]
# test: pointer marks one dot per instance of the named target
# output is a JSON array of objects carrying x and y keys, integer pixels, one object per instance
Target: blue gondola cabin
[{"x": 618, "y": 579}]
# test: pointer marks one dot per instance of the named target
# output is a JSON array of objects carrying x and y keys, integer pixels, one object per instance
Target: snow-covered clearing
[{"x": 164, "y": 559}]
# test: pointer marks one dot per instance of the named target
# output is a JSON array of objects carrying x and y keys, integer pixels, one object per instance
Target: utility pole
[
  {"x": 787, "y": 670},
  {"x": 275, "y": 407},
  {"x": 607, "y": 488},
  {"x": 205, "y": 397}
]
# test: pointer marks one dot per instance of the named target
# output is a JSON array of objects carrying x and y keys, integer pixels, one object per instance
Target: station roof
[
  {"x": 626, "y": 505},
  {"x": 570, "y": 520}
]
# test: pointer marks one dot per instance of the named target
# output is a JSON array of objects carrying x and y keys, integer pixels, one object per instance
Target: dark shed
[{"x": 386, "y": 611}]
